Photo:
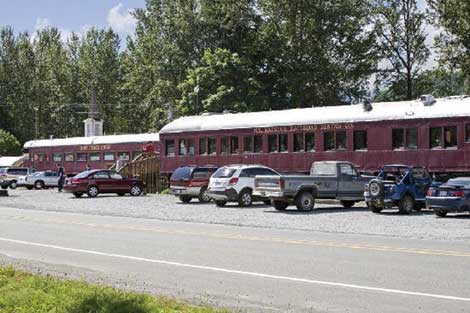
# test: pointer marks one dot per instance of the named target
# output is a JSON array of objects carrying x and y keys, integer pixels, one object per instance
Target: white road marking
[{"x": 245, "y": 273}]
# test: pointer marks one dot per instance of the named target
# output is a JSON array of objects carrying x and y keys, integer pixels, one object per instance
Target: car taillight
[
  {"x": 282, "y": 183},
  {"x": 459, "y": 193},
  {"x": 233, "y": 181},
  {"x": 430, "y": 192}
]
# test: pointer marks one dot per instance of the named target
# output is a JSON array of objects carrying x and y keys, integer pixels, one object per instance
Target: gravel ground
[{"x": 328, "y": 216}]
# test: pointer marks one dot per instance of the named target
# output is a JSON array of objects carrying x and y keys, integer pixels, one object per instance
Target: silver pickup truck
[{"x": 327, "y": 180}]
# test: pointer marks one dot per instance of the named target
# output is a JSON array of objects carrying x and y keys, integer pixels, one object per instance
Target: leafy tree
[
  {"x": 401, "y": 38},
  {"x": 223, "y": 82},
  {"x": 9, "y": 145},
  {"x": 454, "y": 16},
  {"x": 317, "y": 52}
]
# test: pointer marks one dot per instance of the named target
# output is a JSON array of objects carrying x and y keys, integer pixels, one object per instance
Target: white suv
[{"x": 235, "y": 183}]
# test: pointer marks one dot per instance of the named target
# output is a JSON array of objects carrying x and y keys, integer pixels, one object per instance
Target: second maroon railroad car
[
  {"x": 425, "y": 132},
  {"x": 98, "y": 152}
]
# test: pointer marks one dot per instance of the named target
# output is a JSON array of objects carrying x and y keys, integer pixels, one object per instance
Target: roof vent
[
  {"x": 367, "y": 106},
  {"x": 427, "y": 100}
]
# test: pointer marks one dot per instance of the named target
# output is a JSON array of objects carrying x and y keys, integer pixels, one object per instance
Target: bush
[{"x": 9, "y": 145}]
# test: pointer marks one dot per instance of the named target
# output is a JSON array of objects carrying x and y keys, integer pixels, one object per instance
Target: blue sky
[{"x": 69, "y": 15}]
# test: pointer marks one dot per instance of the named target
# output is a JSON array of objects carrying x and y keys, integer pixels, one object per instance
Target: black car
[{"x": 453, "y": 196}]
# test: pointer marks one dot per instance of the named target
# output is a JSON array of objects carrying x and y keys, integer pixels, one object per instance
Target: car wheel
[
  {"x": 136, "y": 191},
  {"x": 347, "y": 204},
  {"x": 38, "y": 185},
  {"x": 204, "y": 195},
  {"x": 78, "y": 194},
  {"x": 376, "y": 188},
  {"x": 4, "y": 187},
  {"x": 440, "y": 212},
  {"x": 374, "y": 208},
  {"x": 29, "y": 187},
  {"x": 305, "y": 201},
  {"x": 220, "y": 203},
  {"x": 280, "y": 205},
  {"x": 120, "y": 194},
  {"x": 267, "y": 202},
  {"x": 13, "y": 184},
  {"x": 244, "y": 198},
  {"x": 92, "y": 191},
  {"x": 185, "y": 199},
  {"x": 406, "y": 205}
]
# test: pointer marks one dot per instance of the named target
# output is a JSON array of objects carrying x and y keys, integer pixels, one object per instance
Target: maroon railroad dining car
[
  {"x": 429, "y": 132},
  {"x": 76, "y": 153}
]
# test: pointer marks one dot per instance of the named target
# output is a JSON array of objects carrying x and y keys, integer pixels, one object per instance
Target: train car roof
[
  {"x": 445, "y": 107},
  {"x": 98, "y": 140}
]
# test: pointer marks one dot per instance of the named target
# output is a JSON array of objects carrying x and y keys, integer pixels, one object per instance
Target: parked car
[
  {"x": 9, "y": 176},
  {"x": 327, "y": 180},
  {"x": 399, "y": 186},
  {"x": 190, "y": 182},
  {"x": 95, "y": 182},
  {"x": 453, "y": 196},
  {"x": 235, "y": 183},
  {"x": 41, "y": 180}
]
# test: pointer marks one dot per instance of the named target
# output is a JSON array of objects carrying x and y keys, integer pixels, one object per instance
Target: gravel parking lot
[{"x": 328, "y": 216}]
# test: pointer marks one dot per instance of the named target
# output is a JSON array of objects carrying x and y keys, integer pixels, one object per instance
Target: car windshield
[
  {"x": 182, "y": 173},
  {"x": 324, "y": 169},
  {"x": 458, "y": 182},
  {"x": 224, "y": 172},
  {"x": 83, "y": 174}
]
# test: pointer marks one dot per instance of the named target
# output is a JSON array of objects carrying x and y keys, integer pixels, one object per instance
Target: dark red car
[
  {"x": 95, "y": 182},
  {"x": 189, "y": 182}
]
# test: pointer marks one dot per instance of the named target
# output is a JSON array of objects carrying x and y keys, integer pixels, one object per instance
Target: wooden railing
[{"x": 146, "y": 168}]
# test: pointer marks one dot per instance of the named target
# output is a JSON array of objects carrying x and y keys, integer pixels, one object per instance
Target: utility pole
[
  {"x": 196, "y": 90},
  {"x": 36, "y": 122}
]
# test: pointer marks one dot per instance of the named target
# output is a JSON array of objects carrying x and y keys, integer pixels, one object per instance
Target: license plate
[{"x": 442, "y": 193}]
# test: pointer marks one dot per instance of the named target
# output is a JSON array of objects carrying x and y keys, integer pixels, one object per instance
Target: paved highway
[{"x": 248, "y": 269}]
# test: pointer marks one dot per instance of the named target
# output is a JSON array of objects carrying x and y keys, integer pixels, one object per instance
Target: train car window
[
  {"x": 233, "y": 145},
  {"x": 57, "y": 157},
  {"x": 211, "y": 146},
  {"x": 248, "y": 144},
  {"x": 467, "y": 133},
  {"x": 182, "y": 147},
  {"x": 123, "y": 156},
  {"x": 109, "y": 156},
  {"x": 224, "y": 147},
  {"x": 398, "y": 138},
  {"x": 170, "y": 147},
  {"x": 95, "y": 156},
  {"x": 191, "y": 147},
  {"x": 435, "y": 137},
  {"x": 135, "y": 154},
  {"x": 258, "y": 144},
  {"x": 412, "y": 138},
  {"x": 82, "y": 157},
  {"x": 272, "y": 143},
  {"x": 360, "y": 140},
  {"x": 299, "y": 143},
  {"x": 283, "y": 146},
  {"x": 329, "y": 141},
  {"x": 69, "y": 157},
  {"x": 202, "y": 145},
  {"x": 450, "y": 136},
  {"x": 310, "y": 142},
  {"x": 341, "y": 140}
]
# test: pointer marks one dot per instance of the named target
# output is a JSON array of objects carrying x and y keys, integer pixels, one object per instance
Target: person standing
[{"x": 61, "y": 177}]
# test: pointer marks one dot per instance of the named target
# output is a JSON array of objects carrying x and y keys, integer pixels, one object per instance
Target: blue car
[
  {"x": 398, "y": 185},
  {"x": 453, "y": 196}
]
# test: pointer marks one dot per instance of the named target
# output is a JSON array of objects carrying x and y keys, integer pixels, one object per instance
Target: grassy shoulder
[{"x": 22, "y": 292}]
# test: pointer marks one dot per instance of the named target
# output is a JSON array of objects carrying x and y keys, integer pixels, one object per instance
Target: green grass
[{"x": 21, "y": 292}]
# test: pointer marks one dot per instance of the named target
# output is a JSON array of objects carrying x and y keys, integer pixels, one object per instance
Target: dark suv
[
  {"x": 399, "y": 186},
  {"x": 189, "y": 182}
]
